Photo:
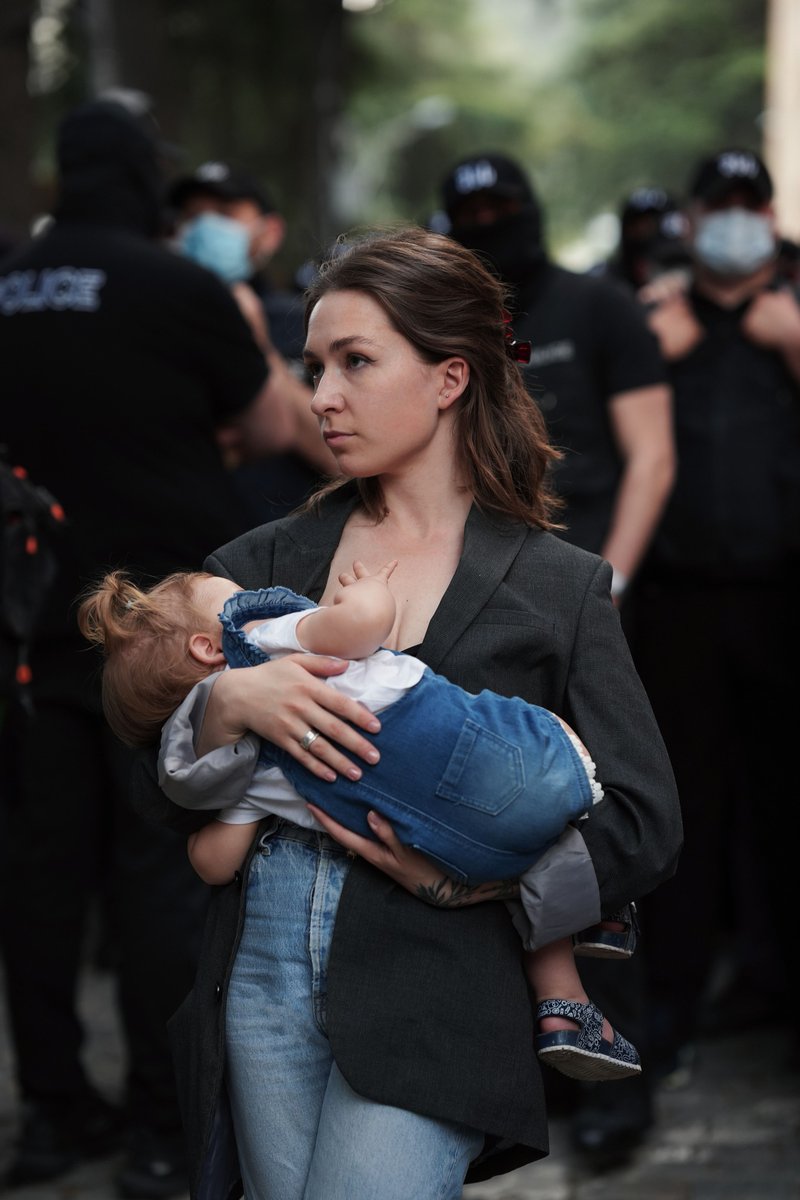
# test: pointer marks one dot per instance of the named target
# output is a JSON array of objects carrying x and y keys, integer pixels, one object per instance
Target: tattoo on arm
[{"x": 446, "y": 893}]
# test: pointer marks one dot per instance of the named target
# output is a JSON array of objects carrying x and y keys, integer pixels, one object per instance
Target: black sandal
[
  {"x": 597, "y": 942},
  {"x": 584, "y": 1053}
]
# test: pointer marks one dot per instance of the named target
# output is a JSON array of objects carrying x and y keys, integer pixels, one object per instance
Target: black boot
[
  {"x": 56, "y": 1135},
  {"x": 611, "y": 1121},
  {"x": 156, "y": 1166}
]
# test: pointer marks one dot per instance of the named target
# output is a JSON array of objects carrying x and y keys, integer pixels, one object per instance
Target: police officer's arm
[
  {"x": 772, "y": 320},
  {"x": 269, "y": 423},
  {"x": 285, "y": 392},
  {"x": 307, "y": 439},
  {"x": 675, "y": 325},
  {"x": 638, "y": 400},
  {"x": 209, "y": 327},
  {"x": 641, "y": 421},
  {"x": 266, "y": 426},
  {"x": 280, "y": 419}
]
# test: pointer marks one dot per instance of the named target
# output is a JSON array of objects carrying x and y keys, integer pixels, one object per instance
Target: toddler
[{"x": 482, "y": 785}]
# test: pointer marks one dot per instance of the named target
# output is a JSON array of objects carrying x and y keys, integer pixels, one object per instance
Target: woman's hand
[
  {"x": 412, "y": 870},
  {"x": 284, "y": 701}
]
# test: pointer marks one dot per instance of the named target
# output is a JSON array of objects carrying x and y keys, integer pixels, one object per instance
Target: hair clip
[{"x": 518, "y": 352}]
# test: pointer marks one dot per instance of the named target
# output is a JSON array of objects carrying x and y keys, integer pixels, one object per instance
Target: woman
[{"x": 380, "y": 1057}]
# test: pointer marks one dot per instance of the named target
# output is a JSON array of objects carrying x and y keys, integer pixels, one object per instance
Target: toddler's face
[{"x": 210, "y": 596}]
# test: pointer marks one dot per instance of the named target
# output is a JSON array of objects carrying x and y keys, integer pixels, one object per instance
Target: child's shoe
[
  {"x": 598, "y": 942},
  {"x": 584, "y": 1053}
]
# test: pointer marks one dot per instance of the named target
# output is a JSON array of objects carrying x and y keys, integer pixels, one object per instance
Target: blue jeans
[
  {"x": 301, "y": 1131},
  {"x": 483, "y": 785}
]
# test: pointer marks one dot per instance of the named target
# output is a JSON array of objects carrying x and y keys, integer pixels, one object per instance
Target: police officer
[
  {"x": 651, "y": 238},
  {"x": 595, "y": 369},
  {"x": 596, "y": 372},
  {"x": 227, "y": 220},
  {"x": 120, "y": 362},
  {"x": 716, "y": 636}
]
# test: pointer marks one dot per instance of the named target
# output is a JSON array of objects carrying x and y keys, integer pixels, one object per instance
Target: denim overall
[{"x": 481, "y": 784}]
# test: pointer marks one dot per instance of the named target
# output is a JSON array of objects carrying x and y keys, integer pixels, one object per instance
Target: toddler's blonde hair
[{"x": 144, "y": 634}]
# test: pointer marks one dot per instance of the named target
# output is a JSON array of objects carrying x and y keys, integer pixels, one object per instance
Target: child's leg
[
  {"x": 553, "y": 975},
  {"x": 574, "y": 1037},
  {"x": 218, "y": 850},
  {"x": 614, "y": 937}
]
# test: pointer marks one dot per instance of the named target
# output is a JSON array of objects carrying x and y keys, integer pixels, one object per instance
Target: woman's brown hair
[
  {"x": 148, "y": 669},
  {"x": 442, "y": 299}
]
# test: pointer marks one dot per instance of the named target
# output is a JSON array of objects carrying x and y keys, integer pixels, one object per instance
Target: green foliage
[
  {"x": 664, "y": 83},
  {"x": 420, "y": 96},
  {"x": 649, "y": 88},
  {"x": 604, "y": 95},
  {"x": 355, "y": 117}
]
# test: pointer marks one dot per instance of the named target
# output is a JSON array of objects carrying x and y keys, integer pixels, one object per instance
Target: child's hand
[
  {"x": 359, "y": 620},
  {"x": 382, "y": 575}
]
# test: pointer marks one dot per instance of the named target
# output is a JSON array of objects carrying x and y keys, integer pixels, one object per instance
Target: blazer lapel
[
  {"x": 305, "y": 546},
  {"x": 491, "y": 543}
]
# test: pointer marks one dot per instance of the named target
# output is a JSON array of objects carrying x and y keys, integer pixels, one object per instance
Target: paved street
[{"x": 731, "y": 1132}]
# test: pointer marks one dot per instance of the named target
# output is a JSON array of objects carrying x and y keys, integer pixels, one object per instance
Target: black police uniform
[
  {"x": 589, "y": 342},
  {"x": 274, "y": 487},
  {"x": 716, "y": 645},
  {"x": 119, "y": 361}
]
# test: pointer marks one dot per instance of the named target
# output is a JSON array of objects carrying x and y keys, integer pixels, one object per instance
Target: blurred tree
[
  {"x": 259, "y": 85},
  {"x": 594, "y": 96},
  {"x": 18, "y": 197},
  {"x": 649, "y": 89},
  {"x": 421, "y": 93},
  {"x": 353, "y": 117}
]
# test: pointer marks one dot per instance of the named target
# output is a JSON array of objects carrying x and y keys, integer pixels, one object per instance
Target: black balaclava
[
  {"x": 108, "y": 169},
  {"x": 514, "y": 243}
]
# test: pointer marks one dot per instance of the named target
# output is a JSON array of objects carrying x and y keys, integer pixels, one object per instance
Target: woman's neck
[
  {"x": 420, "y": 512},
  {"x": 428, "y": 496},
  {"x": 424, "y": 530}
]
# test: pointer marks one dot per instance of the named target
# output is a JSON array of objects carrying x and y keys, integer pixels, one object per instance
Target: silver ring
[{"x": 308, "y": 738}]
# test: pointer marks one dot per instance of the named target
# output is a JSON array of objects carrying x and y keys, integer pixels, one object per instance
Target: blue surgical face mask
[
  {"x": 734, "y": 241},
  {"x": 218, "y": 243}
]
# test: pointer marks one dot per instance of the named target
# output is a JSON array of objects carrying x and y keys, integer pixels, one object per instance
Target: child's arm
[
  {"x": 218, "y": 850},
  {"x": 359, "y": 620}
]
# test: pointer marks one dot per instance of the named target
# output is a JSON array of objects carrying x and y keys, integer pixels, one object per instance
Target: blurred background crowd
[{"x": 173, "y": 172}]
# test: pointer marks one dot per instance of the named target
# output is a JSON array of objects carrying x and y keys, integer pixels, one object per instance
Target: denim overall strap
[{"x": 254, "y": 606}]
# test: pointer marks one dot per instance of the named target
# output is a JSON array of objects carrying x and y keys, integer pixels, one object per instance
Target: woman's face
[{"x": 379, "y": 405}]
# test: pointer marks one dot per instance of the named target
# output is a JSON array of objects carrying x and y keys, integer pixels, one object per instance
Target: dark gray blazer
[{"x": 429, "y": 1008}]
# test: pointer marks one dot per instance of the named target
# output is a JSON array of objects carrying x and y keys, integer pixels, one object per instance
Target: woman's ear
[
  {"x": 206, "y": 649},
  {"x": 454, "y": 380}
]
